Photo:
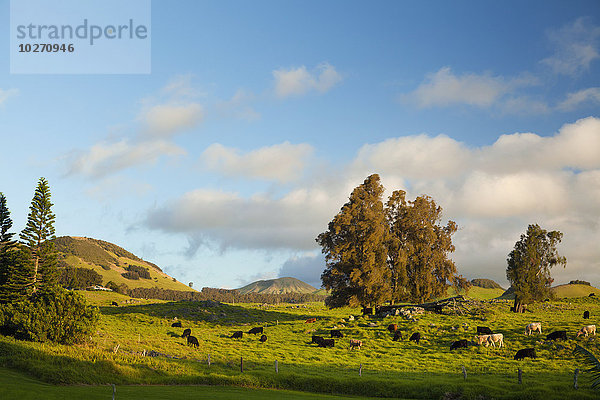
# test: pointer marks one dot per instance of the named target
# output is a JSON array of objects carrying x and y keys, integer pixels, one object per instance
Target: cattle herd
[{"x": 485, "y": 336}]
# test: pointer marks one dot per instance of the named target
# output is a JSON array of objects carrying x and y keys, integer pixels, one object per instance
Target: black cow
[
  {"x": 438, "y": 309},
  {"x": 367, "y": 311},
  {"x": 316, "y": 339},
  {"x": 459, "y": 344},
  {"x": 256, "y": 330},
  {"x": 397, "y": 336},
  {"x": 186, "y": 332},
  {"x": 415, "y": 337},
  {"x": 336, "y": 333},
  {"x": 237, "y": 335},
  {"x": 557, "y": 335},
  {"x": 192, "y": 341},
  {"x": 521, "y": 354},
  {"x": 263, "y": 338},
  {"x": 327, "y": 343},
  {"x": 484, "y": 330},
  {"x": 592, "y": 295},
  {"x": 586, "y": 315},
  {"x": 392, "y": 327},
  {"x": 176, "y": 324},
  {"x": 114, "y": 303}
]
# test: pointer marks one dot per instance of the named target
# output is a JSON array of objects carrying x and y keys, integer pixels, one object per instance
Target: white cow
[
  {"x": 496, "y": 338},
  {"x": 586, "y": 330},
  {"x": 481, "y": 339},
  {"x": 532, "y": 327}
]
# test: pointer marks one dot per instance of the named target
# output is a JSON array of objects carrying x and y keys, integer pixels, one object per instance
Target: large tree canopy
[
  {"x": 355, "y": 249},
  {"x": 529, "y": 264},
  {"x": 397, "y": 252}
]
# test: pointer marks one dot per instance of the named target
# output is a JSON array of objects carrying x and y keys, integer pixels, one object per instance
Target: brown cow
[
  {"x": 310, "y": 320},
  {"x": 392, "y": 328}
]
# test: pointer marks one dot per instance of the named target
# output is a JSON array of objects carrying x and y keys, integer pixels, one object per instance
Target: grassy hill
[
  {"x": 111, "y": 261},
  {"x": 485, "y": 283},
  {"x": 568, "y": 290},
  {"x": 278, "y": 286},
  {"x": 478, "y": 293}
]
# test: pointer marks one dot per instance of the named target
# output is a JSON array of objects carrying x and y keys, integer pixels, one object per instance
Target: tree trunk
[
  {"x": 518, "y": 307},
  {"x": 35, "y": 272}
]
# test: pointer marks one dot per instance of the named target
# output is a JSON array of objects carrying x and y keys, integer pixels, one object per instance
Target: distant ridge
[
  {"x": 568, "y": 290},
  {"x": 486, "y": 283},
  {"x": 278, "y": 286}
]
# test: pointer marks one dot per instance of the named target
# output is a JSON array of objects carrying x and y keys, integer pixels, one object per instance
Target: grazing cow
[
  {"x": 316, "y": 339},
  {"x": 186, "y": 332},
  {"x": 392, "y": 327},
  {"x": 192, "y": 341},
  {"x": 397, "y": 336},
  {"x": 459, "y": 344},
  {"x": 327, "y": 343},
  {"x": 256, "y": 330},
  {"x": 237, "y": 335},
  {"x": 355, "y": 343},
  {"x": 592, "y": 295},
  {"x": 482, "y": 339},
  {"x": 336, "y": 333},
  {"x": 586, "y": 330},
  {"x": 521, "y": 354},
  {"x": 484, "y": 330},
  {"x": 496, "y": 338},
  {"x": 310, "y": 320},
  {"x": 263, "y": 338},
  {"x": 367, "y": 311},
  {"x": 415, "y": 337},
  {"x": 176, "y": 324},
  {"x": 532, "y": 327},
  {"x": 557, "y": 335},
  {"x": 114, "y": 303},
  {"x": 586, "y": 314}
]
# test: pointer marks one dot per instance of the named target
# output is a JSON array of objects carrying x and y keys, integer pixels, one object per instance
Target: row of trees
[
  {"x": 33, "y": 305},
  {"x": 394, "y": 252},
  {"x": 399, "y": 251}
]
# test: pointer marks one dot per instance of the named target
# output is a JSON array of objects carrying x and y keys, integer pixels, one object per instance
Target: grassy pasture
[{"x": 389, "y": 369}]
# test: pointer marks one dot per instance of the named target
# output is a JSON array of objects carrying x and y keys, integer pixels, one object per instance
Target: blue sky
[{"x": 259, "y": 118}]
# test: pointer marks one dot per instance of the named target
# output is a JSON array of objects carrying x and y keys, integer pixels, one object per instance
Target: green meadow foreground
[{"x": 404, "y": 369}]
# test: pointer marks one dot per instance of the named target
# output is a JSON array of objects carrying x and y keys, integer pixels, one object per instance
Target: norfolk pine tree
[
  {"x": 355, "y": 250},
  {"x": 529, "y": 265},
  {"x": 37, "y": 232}
]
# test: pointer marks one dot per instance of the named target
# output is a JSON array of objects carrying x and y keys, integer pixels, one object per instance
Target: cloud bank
[{"x": 299, "y": 81}]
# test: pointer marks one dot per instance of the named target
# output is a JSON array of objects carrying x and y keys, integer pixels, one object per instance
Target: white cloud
[
  {"x": 164, "y": 120},
  {"x": 299, "y": 81},
  {"x": 281, "y": 162},
  {"x": 590, "y": 95},
  {"x": 5, "y": 94},
  {"x": 105, "y": 158},
  {"x": 238, "y": 106},
  {"x": 443, "y": 88},
  {"x": 576, "y": 46},
  {"x": 493, "y": 192}
]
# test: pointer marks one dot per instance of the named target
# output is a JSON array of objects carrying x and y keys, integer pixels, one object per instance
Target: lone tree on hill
[
  {"x": 529, "y": 265},
  {"x": 355, "y": 249},
  {"x": 36, "y": 235}
]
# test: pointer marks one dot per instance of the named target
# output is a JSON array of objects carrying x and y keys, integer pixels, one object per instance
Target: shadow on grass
[{"x": 209, "y": 312}]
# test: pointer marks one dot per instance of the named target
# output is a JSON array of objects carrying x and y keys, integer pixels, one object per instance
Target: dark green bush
[
  {"x": 131, "y": 275},
  {"x": 59, "y": 315},
  {"x": 141, "y": 271},
  {"x": 78, "y": 278}
]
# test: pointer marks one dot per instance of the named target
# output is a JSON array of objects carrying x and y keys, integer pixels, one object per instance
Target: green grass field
[{"x": 389, "y": 369}]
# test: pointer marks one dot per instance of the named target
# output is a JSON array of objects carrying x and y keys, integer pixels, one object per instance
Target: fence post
[
  {"x": 575, "y": 385},
  {"x": 520, "y": 376},
  {"x": 360, "y": 370},
  {"x": 276, "y": 367},
  {"x": 464, "y": 371},
  {"x": 209, "y": 359},
  {"x": 241, "y": 364},
  {"x": 114, "y": 391}
]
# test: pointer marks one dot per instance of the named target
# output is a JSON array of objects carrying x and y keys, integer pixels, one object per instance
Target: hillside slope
[
  {"x": 111, "y": 261},
  {"x": 562, "y": 291},
  {"x": 278, "y": 286}
]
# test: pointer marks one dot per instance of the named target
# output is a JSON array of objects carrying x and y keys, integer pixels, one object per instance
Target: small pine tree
[
  {"x": 5, "y": 222},
  {"x": 39, "y": 229}
]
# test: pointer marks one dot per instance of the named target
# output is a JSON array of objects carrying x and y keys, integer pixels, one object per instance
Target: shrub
[
  {"x": 578, "y": 282},
  {"x": 131, "y": 275},
  {"x": 141, "y": 271},
  {"x": 78, "y": 278},
  {"x": 59, "y": 315}
]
